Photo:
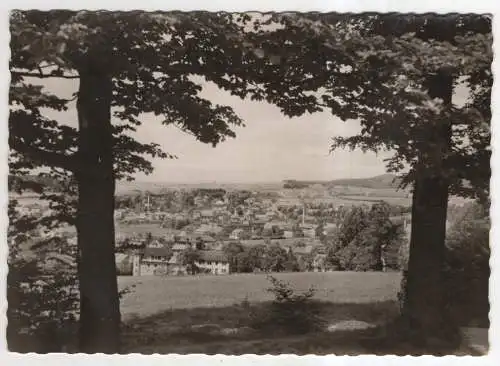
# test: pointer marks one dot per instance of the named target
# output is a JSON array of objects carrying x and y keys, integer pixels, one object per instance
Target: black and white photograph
[{"x": 216, "y": 182}]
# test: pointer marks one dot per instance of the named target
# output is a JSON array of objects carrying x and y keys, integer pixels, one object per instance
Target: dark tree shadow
[{"x": 227, "y": 330}]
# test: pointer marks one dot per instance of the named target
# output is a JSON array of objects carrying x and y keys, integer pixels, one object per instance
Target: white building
[
  {"x": 214, "y": 261},
  {"x": 163, "y": 260}
]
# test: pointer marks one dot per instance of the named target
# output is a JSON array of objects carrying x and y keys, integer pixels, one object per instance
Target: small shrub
[
  {"x": 245, "y": 303},
  {"x": 289, "y": 312}
]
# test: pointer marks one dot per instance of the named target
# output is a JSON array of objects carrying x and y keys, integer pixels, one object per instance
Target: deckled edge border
[{"x": 438, "y": 7}]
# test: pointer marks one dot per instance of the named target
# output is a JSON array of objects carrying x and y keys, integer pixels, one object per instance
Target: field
[
  {"x": 370, "y": 200},
  {"x": 155, "y": 294},
  {"x": 209, "y": 315},
  {"x": 172, "y": 314},
  {"x": 130, "y": 229}
]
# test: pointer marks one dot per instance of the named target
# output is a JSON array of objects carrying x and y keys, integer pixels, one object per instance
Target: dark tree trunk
[
  {"x": 425, "y": 307},
  {"x": 425, "y": 304},
  {"x": 99, "y": 302}
]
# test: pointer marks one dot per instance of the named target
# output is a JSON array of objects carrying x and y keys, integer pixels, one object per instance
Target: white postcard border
[{"x": 442, "y": 6}]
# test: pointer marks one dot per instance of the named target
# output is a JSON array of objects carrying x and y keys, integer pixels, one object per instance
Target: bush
[
  {"x": 466, "y": 269},
  {"x": 42, "y": 308},
  {"x": 125, "y": 267},
  {"x": 289, "y": 312}
]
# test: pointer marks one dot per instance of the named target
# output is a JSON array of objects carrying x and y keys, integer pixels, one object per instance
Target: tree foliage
[
  {"x": 375, "y": 69},
  {"x": 188, "y": 258},
  {"x": 43, "y": 302},
  {"x": 366, "y": 240},
  {"x": 264, "y": 257},
  {"x": 43, "y": 307},
  {"x": 467, "y": 268}
]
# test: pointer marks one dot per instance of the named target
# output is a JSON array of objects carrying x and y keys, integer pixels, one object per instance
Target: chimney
[{"x": 303, "y": 213}]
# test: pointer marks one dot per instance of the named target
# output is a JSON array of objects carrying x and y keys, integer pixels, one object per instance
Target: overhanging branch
[
  {"x": 42, "y": 75},
  {"x": 67, "y": 162}
]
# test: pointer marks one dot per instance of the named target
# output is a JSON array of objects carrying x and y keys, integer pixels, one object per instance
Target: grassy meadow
[
  {"x": 212, "y": 315},
  {"x": 153, "y": 294},
  {"x": 170, "y": 314}
]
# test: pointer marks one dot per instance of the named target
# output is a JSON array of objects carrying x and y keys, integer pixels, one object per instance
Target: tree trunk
[
  {"x": 424, "y": 306},
  {"x": 99, "y": 303}
]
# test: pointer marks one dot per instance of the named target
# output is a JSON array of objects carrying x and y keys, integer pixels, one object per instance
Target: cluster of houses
[
  {"x": 165, "y": 257},
  {"x": 211, "y": 222},
  {"x": 215, "y": 224},
  {"x": 218, "y": 212},
  {"x": 159, "y": 262},
  {"x": 255, "y": 221},
  {"x": 245, "y": 221}
]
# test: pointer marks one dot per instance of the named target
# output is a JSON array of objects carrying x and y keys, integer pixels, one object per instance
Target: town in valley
[{"x": 219, "y": 229}]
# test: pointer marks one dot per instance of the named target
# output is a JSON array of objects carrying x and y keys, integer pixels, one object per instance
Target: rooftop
[{"x": 213, "y": 256}]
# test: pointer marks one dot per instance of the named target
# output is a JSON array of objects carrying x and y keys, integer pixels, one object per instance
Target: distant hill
[
  {"x": 383, "y": 181},
  {"x": 377, "y": 182}
]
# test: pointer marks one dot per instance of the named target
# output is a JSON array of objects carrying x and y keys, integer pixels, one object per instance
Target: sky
[{"x": 271, "y": 147}]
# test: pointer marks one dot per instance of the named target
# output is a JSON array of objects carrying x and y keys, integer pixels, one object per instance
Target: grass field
[
  {"x": 162, "y": 313},
  {"x": 348, "y": 200},
  {"x": 369, "y": 200},
  {"x": 176, "y": 315},
  {"x": 141, "y": 229},
  {"x": 155, "y": 294}
]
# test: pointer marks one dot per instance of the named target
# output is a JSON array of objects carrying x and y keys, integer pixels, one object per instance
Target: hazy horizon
[{"x": 158, "y": 180}]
